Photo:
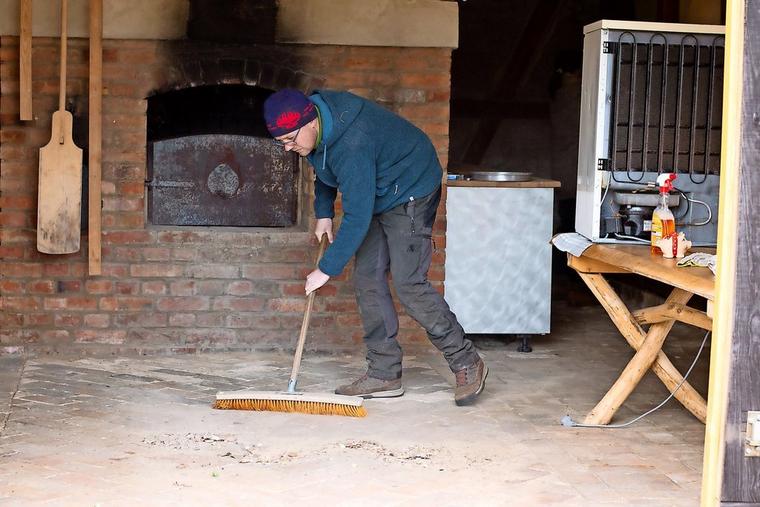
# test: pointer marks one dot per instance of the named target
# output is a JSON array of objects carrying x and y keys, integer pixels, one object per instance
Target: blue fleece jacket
[{"x": 375, "y": 158}]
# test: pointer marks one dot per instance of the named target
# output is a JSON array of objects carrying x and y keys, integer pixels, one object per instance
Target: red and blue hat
[{"x": 288, "y": 110}]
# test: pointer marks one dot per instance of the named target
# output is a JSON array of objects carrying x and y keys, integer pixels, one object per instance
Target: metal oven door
[{"x": 221, "y": 180}]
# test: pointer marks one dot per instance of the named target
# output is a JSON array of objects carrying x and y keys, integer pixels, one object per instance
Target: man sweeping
[{"x": 389, "y": 177}]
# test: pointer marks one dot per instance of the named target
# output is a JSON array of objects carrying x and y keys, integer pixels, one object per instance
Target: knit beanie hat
[{"x": 288, "y": 110}]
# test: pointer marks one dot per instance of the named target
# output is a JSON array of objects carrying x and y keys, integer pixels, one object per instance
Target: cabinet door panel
[{"x": 498, "y": 258}]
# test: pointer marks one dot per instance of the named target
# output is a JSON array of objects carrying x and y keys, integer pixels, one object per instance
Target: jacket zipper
[{"x": 411, "y": 215}]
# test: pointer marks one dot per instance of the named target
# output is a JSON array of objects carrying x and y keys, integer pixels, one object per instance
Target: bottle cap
[{"x": 665, "y": 182}]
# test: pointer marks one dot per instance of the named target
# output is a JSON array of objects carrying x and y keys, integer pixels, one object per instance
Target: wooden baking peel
[{"x": 59, "y": 196}]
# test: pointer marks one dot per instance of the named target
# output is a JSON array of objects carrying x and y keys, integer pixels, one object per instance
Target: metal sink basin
[{"x": 499, "y": 176}]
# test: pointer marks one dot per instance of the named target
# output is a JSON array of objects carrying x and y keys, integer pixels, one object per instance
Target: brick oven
[{"x": 199, "y": 252}]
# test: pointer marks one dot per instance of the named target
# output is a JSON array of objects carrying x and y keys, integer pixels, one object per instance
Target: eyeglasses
[{"x": 287, "y": 142}]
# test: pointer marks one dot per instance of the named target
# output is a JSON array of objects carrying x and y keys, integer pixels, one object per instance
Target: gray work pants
[{"x": 399, "y": 241}]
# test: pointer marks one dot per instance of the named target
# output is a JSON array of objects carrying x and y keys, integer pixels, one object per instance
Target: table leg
[
  {"x": 649, "y": 354},
  {"x": 679, "y": 312}
]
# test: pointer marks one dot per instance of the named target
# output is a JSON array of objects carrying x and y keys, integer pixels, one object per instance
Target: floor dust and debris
[{"x": 140, "y": 431}]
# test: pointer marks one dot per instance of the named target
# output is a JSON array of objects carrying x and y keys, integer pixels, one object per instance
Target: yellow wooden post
[{"x": 720, "y": 357}]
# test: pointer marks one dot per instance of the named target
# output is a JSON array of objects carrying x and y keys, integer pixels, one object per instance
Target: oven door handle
[{"x": 169, "y": 184}]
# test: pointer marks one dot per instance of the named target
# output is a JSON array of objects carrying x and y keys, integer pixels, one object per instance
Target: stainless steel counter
[{"x": 533, "y": 183}]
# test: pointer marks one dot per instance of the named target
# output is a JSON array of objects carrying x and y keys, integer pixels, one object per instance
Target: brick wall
[{"x": 183, "y": 289}]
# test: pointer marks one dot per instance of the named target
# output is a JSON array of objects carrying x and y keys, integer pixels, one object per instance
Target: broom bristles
[{"x": 305, "y": 407}]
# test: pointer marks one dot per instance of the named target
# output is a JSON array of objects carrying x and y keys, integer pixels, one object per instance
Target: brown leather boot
[
  {"x": 470, "y": 383},
  {"x": 370, "y": 387}
]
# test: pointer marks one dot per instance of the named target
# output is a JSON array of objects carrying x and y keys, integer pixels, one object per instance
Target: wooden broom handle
[
  {"x": 305, "y": 324},
  {"x": 64, "y": 27}
]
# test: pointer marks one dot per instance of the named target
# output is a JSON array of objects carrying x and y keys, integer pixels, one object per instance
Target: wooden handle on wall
[
  {"x": 25, "y": 61},
  {"x": 96, "y": 135}
]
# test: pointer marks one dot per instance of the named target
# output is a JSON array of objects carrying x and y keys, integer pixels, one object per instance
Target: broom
[{"x": 291, "y": 400}]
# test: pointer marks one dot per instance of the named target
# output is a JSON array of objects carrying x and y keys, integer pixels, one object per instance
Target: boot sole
[
  {"x": 467, "y": 400},
  {"x": 392, "y": 393}
]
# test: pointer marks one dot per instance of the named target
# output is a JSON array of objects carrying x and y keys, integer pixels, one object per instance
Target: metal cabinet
[{"x": 498, "y": 258}]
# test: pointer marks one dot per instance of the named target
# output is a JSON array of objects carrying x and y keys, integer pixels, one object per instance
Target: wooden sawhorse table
[{"x": 600, "y": 259}]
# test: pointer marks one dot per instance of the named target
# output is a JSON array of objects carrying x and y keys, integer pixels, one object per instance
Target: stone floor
[{"x": 140, "y": 430}]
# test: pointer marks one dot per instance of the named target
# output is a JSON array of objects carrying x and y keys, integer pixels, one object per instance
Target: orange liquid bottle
[{"x": 663, "y": 221}]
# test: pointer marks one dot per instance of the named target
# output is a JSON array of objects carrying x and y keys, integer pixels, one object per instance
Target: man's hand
[
  {"x": 315, "y": 280},
  {"x": 324, "y": 226}
]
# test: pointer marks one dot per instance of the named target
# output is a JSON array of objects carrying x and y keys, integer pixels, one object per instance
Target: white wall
[
  {"x": 407, "y": 23},
  {"x": 132, "y": 19},
  {"x": 403, "y": 23}
]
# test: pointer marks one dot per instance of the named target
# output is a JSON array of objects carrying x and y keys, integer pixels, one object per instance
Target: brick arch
[{"x": 211, "y": 71}]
